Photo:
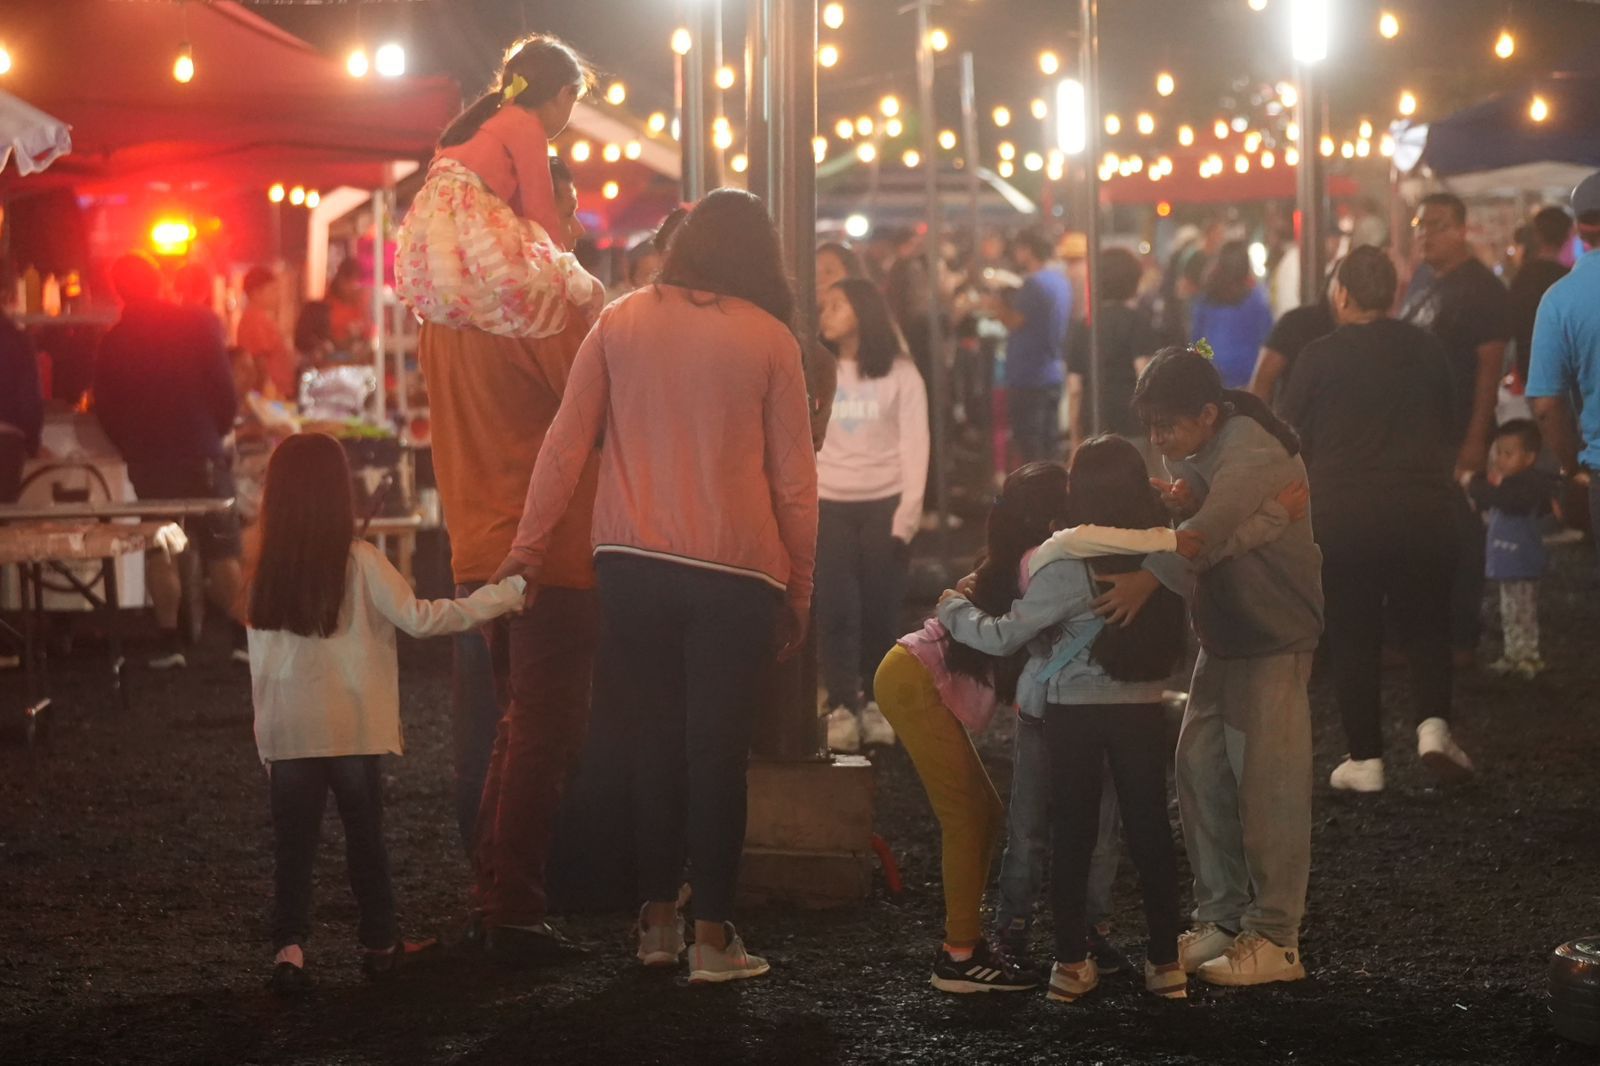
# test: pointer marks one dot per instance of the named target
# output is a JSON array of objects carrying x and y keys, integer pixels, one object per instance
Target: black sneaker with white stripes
[{"x": 986, "y": 971}]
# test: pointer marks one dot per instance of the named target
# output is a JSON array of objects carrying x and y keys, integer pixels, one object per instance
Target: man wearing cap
[{"x": 1566, "y": 354}]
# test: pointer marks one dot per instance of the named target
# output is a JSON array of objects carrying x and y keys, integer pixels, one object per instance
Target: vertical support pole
[
  {"x": 781, "y": 117},
  {"x": 698, "y": 93},
  {"x": 969, "y": 134},
  {"x": 1089, "y": 14},
  {"x": 1311, "y": 184},
  {"x": 379, "y": 198},
  {"x": 929, "y": 122}
]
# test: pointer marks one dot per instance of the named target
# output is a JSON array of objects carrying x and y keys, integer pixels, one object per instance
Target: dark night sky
[{"x": 1220, "y": 50}]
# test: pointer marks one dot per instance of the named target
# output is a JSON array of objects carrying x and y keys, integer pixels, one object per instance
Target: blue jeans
[
  {"x": 479, "y": 667},
  {"x": 1026, "y": 856},
  {"x": 1035, "y": 415}
]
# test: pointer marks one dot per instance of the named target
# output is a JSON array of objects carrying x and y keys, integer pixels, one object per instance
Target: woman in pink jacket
[{"x": 705, "y": 530}]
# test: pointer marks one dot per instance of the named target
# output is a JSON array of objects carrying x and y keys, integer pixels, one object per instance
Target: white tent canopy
[{"x": 33, "y": 137}]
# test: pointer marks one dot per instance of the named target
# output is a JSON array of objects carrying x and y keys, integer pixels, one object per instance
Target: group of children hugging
[{"x": 1076, "y": 615}]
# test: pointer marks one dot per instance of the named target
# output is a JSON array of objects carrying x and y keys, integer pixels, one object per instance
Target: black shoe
[
  {"x": 1108, "y": 958},
  {"x": 540, "y": 945},
  {"x": 986, "y": 971},
  {"x": 470, "y": 938},
  {"x": 289, "y": 980},
  {"x": 378, "y": 965}
]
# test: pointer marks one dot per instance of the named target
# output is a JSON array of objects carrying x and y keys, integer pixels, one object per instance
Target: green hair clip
[{"x": 1203, "y": 347}]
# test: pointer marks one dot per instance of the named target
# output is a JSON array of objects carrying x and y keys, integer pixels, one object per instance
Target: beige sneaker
[
  {"x": 876, "y": 732},
  {"x": 1254, "y": 960},
  {"x": 660, "y": 945},
  {"x": 1204, "y": 942},
  {"x": 844, "y": 731},
  {"x": 1070, "y": 983},
  {"x": 1358, "y": 775},
  {"x": 709, "y": 965},
  {"x": 1439, "y": 751},
  {"x": 1167, "y": 980}
]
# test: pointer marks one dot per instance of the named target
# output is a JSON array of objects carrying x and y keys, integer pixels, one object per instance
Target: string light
[
  {"x": 389, "y": 60},
  {"x": 1258, "y": 5},
  {"x": 1347, "y": 150},
  {"x": 947, "y": 140},
  {"x": 1033, "y": 162},
  {"x": 819, "y": 148},
  {"x": 845, "y": 129},
  {"x": 1386, "y": 146},
  {"x": 617, "y": 94},
  {"x": 911, "y": 158},
  {"x": 183, "y": 66},
  {"x": 865, "y": 125},
  {"x": 889, "y": 106},
  {"x": 1166, "y": 84},
  {"x": 893, "y": 128},
  {"x": 833, "y": 16},
  {"x": 634, "y": 150},
  {"x": 1505, "y": 46},
  {"x": 275, "y": 192},
  {"x": 722, "y": 138},
  {"x": 682, "y": 41},
  {"x": 581, "y": 151},
  {"x": 1220, "y": 128},
  {"x": 866, "y": 152},
  {"x": 1326, "y": 146},
  {"x": 1539, "y": 109},
  {"x": 355, "y": 64},
  {"x": 1164, "y": 164},
  {"x": 1002, "y": 116},
  {"x": 1241, "y": 164},
  {"x": 1007, "y": 150},
  {"x": 1291, "y": 157},
  {"x": 1146, "y": 123},
  {"x": 938, "y": 40},
  {"x": 1364, "y": 131},
  {"x": 171, "y": 237},
  {"x": 1039, "y": 109},
  {"x": 828, "y": 55},
  {"x": 657, "y": 122},
  {"x": 1049, "y": 64},
  {"x": 297, "y": 195},
  {"x": 612, "y": 153},
  {"x": 1363, "y": 148},
  {"x": 313, "y": 198},
  {"x": 726, "y": 78},
  {"x": 1006, "y": 168},
  {"x": 1388, "y": 26},
  {"x": 1113, "y": 124},
  {"x": 1292, "y": 131},
  {"x": 5, "y": 60},
  {"x": 1408, "y": 103},
  {"x": 1268, "y": 160},
  {"x": 1252, "y": 141},
  {"x": 1186, "y": 135},
  {"x": 610, "y": 190},
  {"x": 740, "y": 163},
  {"x": 1240, "y": 123}
]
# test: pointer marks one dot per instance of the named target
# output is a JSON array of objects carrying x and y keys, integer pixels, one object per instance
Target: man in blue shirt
[
  {"x": 1566, "y": 355},
  {"x": 1037, "y": 317}
]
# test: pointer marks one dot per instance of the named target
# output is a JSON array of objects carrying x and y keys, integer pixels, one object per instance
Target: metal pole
[
  {"x": 378, "y": 359},
  {"x": 697, "y": 74},
  {"x": 969, "y": 133},
  {"x": 1311, "y": 185},
  {"x": 930, "y": 152},
  {"x": 781, "y": 119},
  {"x": 1089, "y": 13}
]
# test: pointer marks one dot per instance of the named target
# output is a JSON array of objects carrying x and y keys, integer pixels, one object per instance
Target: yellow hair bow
[{"x": 514, "y": 90}]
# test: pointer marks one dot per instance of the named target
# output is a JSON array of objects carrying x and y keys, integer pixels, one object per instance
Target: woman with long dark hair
[
  {"x": 705, "y": 536},
  {"x": 1244, "y": 752},
  {"x": 323, "y": 610},
  {"x": 1232, "y": 314},
  {"x": 870, "y": 477}
]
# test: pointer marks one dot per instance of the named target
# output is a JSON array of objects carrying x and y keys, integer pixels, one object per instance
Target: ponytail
[
  {"x": 545, "y": 64},
  {"x": 1182, "y": 381}
]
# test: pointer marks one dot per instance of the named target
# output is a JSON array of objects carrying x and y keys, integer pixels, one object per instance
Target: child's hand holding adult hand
[{"x": 515, "y": 567}]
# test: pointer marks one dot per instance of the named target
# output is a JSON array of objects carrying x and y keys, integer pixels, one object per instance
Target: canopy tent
[
  {"x": 1497, "y": 146},
  {"x": 262, "y": 106},
  {"x": 895, "y": 193},
  {"x": 31, "y": 137},
  {"x": 1185, "y": 185}
]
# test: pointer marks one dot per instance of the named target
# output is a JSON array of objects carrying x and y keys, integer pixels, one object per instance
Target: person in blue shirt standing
[
  {"x": 1037, "y": 317},
  {"x": 1566, "y": 355},
  {"x": 1232, "y": 315}
]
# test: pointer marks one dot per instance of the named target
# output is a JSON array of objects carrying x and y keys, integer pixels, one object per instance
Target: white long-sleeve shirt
[
  {"x": 877, "y": 443},
  {"x": 319, "y": 697}
]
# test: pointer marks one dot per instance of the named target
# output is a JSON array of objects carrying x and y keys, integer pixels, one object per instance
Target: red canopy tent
[{"x": 263, "y": 106}]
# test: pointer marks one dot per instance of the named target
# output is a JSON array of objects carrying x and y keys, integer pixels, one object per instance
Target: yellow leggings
[{"x": 971, "y": 816}]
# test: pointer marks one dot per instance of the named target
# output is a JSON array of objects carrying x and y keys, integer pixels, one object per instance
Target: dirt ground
[{"x": 135, "y": 871}]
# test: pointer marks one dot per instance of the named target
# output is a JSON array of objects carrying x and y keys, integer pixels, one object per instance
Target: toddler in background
[{"x": 1515, "y": 496}]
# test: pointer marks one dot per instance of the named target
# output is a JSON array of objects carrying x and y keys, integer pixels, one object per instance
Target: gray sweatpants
[{"x": 1244, "y": 792}]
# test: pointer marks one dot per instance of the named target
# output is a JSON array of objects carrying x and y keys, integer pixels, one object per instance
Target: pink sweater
[
  {"x": 511, "y": 154},
  {"x": 699, "y": 408}
]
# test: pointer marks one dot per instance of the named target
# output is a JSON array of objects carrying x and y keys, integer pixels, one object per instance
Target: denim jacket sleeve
[{"x": 1058, "y": 592}]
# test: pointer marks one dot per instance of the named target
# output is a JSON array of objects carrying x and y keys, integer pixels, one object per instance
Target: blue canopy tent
[{"x": 1497, "y": 145}]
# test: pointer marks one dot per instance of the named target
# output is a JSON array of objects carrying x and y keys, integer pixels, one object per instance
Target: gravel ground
[{"x": 135, "y": 871}]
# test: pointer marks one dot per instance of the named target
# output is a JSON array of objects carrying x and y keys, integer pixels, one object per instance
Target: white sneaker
[
  {"x": 709, "y": 965},
  {"x": 660, "y": 945},
  {"x": 1167, "y": 980},
  {"x": 1254, "y": 960},
  {"x": 844, "y": 732},
  {"x": 174, "y": 660},
  {"x": 1528, "y": 669},
  {"x": 1439, "y": 751},
  {"x": 1501, "y": 666},
  {"x": 875, "y": 728},
  {"x": 1200, "y": 945},
  {"x": 1358, "y": 775},
  {"x": 1069, "y": 983}
]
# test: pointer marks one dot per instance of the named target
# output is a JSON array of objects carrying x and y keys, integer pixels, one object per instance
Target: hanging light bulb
[
  {"x": 893, "y": 128},
  {"x": 1363, "y": 148},
  {"x": 833, "y": 16},
  {"x": 938, "y": 40},
  {"x": 1240, "y": 123},
  {"x": 845, "y": 129},
  {"x": 1364, "y": 131},
  {"x": 866, "y": 152},
  {"x": 911, "y": 158},
  {"x": 1386, "y": 146},
  {"x": 1113, "y": 124},
  {"x": 5, "y": 60},
  {"x": 612, "y": 153},
  {"x": 1241, "y": 164},
  {"x": 634, "y": 150},
  {"x": 1326, "y": 145},
  {"x": 1388, "y": 26},
  {"x": 1039, "y": 109},
  {"x": 1220, "y": 128},
  {"x": 297, "y": 195},
  {"x": 1002, "y": 116},
  {"x": 1006, "y": 168},
  {"x": 1252, "y": 141},
  {"x": 726, "y": 76},
  {"x": 356, "y": 64},
  {"x": 819, "y": 148},
  {"x": 275, "y": 192},
  {"x": 313, "y": 198},
  {"x": 865, "y": 125},
  {"x": 1288, "y": 95},
  {"x": 1539, "y": 109},
  {"x": 722, "y": 138},
  {"x": 1505, "y": 46},
  {"x": 1291, "y": 157},
  {"x": 581, "y": 152},
  {"x": 1145, "y": 123},
  {"x": 1258, "y": 5},
  {"x": 682, "y": 41},
  {"x": 1007, "y": 150},
  {"x": 657, "y": 123},
  {"x": 1049, "y": 64},
  {"x": 828, "y": 55},
  {"x": 183, "y": 66},
  {"x": 610, "y": 190},
  {"x": 1033, "y": 162},
  {"x": 1408, "y": 103},
  {"x": 1166, "y": 84},
  {"x": 389, "y": 60},
  {"x": 947, "y": 140},
  {"x": 1347, "y": 150},
  {"x": 1186, "y": 135},
  {"x": 617, "y": 93},
  {"x": 889, "y": 106},
  {"x": 1268, "y": 160},
  {"x": 739, "y": 163}
]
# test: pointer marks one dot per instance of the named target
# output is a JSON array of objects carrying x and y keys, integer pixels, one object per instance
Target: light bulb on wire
[
  {"x": 1505, "y": 46},
  {"x": 356, "y": 63},
  {"x": 183, "y": 66},
  {"x": 1388, "y": 26}
]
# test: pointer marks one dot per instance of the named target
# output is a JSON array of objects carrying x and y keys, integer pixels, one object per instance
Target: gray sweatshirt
[{"x": 1267, "y": 601}]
